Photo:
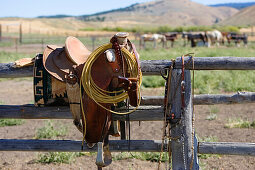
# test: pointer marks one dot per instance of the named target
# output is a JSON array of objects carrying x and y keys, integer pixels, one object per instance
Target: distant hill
[
  {"x": 235, "y": 5},
  {"x": 163, "y": 12},
  {"x": 55, "y": 16},
  {"x": 245, "y": 17}
]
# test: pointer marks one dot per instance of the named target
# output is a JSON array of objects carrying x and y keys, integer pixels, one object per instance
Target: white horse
[
  {"x": 214, "y": 37},
  {"x": 152, "y": 37}
]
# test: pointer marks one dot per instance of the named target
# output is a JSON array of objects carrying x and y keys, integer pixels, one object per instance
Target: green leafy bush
[
  {"x": 49, "y": 132},
  {"x": 145, "y": 156},
  {"x": 58, "y": 157},
  {"x": 11, "y": 122},
  {"x": 153, "y": 81},
  {"x": 212, "y": 116},
  {"x": 238, "y": 123}
]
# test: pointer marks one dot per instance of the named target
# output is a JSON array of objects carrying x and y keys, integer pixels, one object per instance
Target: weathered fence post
[
  {"x": 16, "y": 44},
  {"x": 181, "y": 131},
  {"x": 42, "y": 42},
  {"x": 0, "y": 32},
  {"x": 93, "y": 39},
  {"x": 20, "y": 33}
]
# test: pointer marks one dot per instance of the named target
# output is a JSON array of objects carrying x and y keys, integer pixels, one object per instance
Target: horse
[
  {"x": 171, "y": 37},
  {"x": 152, "y": 37},
  {"x": 237, "y": 38},
  {"x": 225, "y": 36},
  {"x": 193, "y": 38},
  {"x": 213, "y": 37}
]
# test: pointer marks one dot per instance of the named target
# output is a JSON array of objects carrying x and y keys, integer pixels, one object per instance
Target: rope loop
[{"x": 103, "y": 96}]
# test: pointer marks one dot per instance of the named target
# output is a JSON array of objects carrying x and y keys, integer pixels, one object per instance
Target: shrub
[
  {"x": 48, "y": 131},
  {"x": 58, "y": 157},
  {"x": 238, "y": 123},
  {"x": 11, "y": 122},
  {"x": 145, "y": 156}
]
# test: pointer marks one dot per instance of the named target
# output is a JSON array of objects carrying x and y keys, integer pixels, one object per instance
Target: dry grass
[{"x": 64, "y": 26}]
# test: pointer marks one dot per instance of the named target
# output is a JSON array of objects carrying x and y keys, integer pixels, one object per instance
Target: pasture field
[{"x": 205, "y": 81}]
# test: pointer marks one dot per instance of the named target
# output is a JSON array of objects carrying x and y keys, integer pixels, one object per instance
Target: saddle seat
[
  {"x": 60, "y": 61},
  {"x": 76, "y": 50}
]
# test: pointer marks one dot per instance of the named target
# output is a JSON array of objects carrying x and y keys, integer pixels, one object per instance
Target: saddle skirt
[{"x": 66, "y": 65}]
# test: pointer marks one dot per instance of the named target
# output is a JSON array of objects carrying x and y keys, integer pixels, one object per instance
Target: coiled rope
[{"x": 103, "y": 96}]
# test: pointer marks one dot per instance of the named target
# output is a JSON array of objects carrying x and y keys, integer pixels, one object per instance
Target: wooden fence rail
[
  {"x": 154, "y": 67},
  {"x": 144, "y": 113},
  {"x": 207, "y": 99},
  {"x": 151, "y": 109},
  {"x": 227, "y": 148},
  {"x": 223, "y": 148}
]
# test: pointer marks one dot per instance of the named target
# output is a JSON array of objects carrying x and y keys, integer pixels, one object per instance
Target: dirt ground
[{"x": 20, "y": 92}]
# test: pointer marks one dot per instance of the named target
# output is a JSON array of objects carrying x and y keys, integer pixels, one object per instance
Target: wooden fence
[{"x": 151, "y": 110}]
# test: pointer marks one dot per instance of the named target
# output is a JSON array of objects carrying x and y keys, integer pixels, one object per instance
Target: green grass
[
  {"x": 239, "y": 123},
  {"x": 224, "y": 81},
  {"x": 6, "y": 57},
  {"x": 214, "y": 109},
  {"x": 212, "y": 116},
  {"x": 6, "y": 44},
  {"x": 164, "y": 29},
  {"x": 11, "y": 122},
  {"x": 17, "y": 79},
  {"x": 213, "y": 113},
  {"x": 58, "y": 157},
  {"x": 49, "y": 132},
  {"x": 145, "y": 156},
  {"x": 207, "y": 139},
  {"x": 152, "y": 81},
  {"x": 206, "y": 81}
]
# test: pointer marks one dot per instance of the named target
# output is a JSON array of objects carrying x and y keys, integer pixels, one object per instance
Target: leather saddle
[{"x": 66, "y": 65}]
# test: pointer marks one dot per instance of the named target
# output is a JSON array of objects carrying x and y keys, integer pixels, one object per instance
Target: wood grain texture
[
  {"x": 154, "y": 67},
  {"x": 236, "y": 98},
  {"x": 207, "y": 99},
  {"x": 181, "y": 131},
  {"x": 143, "y": 113},
  {"x": 8, "y": 70},
  {"x": 151, "y": 109},
  {"x": 227, "y": 148},
  {"x": 75, "y": 146}
]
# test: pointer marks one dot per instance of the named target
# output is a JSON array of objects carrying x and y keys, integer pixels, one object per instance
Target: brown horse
[
  {"x": 237, "y": 38},
  {"x": 171, "y": 37},
  {"x": 193, "y": 38}
]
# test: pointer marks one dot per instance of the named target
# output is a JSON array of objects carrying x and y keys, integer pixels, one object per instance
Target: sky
[{"x": 34, "y": 8}]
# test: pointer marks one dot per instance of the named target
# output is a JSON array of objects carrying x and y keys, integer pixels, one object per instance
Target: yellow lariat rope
[{"x": 102, "y": 96}]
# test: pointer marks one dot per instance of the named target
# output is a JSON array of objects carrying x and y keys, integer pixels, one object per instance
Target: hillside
[
  {"x": 235, "y": 5},
  {"x": 49, "y": 26},
  {"x": 243, "y": 18},
  {"x": 164, "y": 12}
]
